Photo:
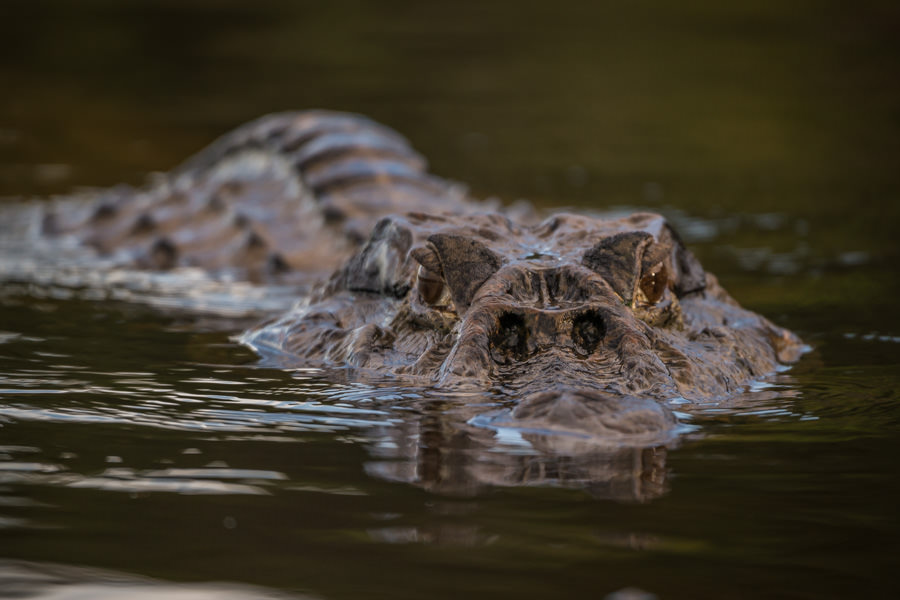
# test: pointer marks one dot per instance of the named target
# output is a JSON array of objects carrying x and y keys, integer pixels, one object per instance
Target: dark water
[{"x": 142, "y": 448}]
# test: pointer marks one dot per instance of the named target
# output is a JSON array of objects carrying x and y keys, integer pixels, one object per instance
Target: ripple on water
[
  {"x": 22, "y": 579},
  {"x": 123, "y": 479},
  {"x": 198, "y": 399},
  {"x": 402, "y": 429}
]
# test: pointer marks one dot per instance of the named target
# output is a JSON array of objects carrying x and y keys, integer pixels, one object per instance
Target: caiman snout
[{"x": 595, "y": 413}]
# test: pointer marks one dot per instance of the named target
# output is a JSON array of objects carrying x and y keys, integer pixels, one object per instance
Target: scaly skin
[{"x": 282, "y": 198}]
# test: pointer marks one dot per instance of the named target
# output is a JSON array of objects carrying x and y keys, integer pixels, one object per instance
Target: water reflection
[
  {"x": 447, "y": 444},
  {"x": 442, "y": 450},
  {"x": 42, "y": 581},
  {"x": 432, "y": 442}
]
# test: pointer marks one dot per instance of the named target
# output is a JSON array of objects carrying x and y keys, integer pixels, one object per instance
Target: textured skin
[
  {"x": 522, "y": 305},
  {"x": 283, "y": 197},
  {"x": 590, "y": 322}
]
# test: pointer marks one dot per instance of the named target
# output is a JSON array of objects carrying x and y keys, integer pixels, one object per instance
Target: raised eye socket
[
  {"x": 653, "y": 284},
  {"x": 511, "y": 337},
  {"x": 588, "y": 330},
  {"x": 429, "y": 286}
]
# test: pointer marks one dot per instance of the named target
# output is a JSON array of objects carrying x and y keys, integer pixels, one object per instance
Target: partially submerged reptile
[{"x": 592, "y": 324}]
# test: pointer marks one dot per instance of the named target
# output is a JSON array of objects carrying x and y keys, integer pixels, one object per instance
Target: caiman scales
[{"x": 592, "y": 324}]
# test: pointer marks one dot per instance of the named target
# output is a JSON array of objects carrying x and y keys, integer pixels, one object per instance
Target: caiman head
[{"x": 589, "y": 321}]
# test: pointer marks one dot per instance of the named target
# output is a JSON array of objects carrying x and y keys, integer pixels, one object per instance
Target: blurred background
[
  {"x": 572, "y": 102},
  {"x": 716, "y": 110}
]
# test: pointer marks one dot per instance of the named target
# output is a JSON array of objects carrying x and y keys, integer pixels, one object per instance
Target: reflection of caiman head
[
  {"x": 467, "y": 465},
  {"x": 570, "y": 315},
  {"x": 438, "y": 445}
]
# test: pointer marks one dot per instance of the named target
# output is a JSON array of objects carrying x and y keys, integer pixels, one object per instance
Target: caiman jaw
[{"x": 595, "y": 413}]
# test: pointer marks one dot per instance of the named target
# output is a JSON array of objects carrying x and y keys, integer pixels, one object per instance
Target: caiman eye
[
  {"x": 653, "y": 284},
  {"x": 429, "y": 286}
]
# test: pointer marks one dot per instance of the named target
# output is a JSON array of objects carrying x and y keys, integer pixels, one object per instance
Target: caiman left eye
[
  {"x": 653, "y": 284},
  {"x": 429, "y": 286}
]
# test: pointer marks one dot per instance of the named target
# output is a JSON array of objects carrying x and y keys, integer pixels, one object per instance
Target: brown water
[{"x": 141, "y": 448}]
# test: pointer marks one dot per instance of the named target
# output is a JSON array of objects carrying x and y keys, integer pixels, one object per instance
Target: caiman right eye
[
  {"x": 429, "y": 286},
  {"x": 654, "y": 284}
]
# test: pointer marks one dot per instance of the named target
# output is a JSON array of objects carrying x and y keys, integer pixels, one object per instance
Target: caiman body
[{"x": 592, "y": 324}]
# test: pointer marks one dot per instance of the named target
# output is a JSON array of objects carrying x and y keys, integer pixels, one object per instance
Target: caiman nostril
[
  {"x": 588, "y": 330},
  {"x": 510, "y": 338}
]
